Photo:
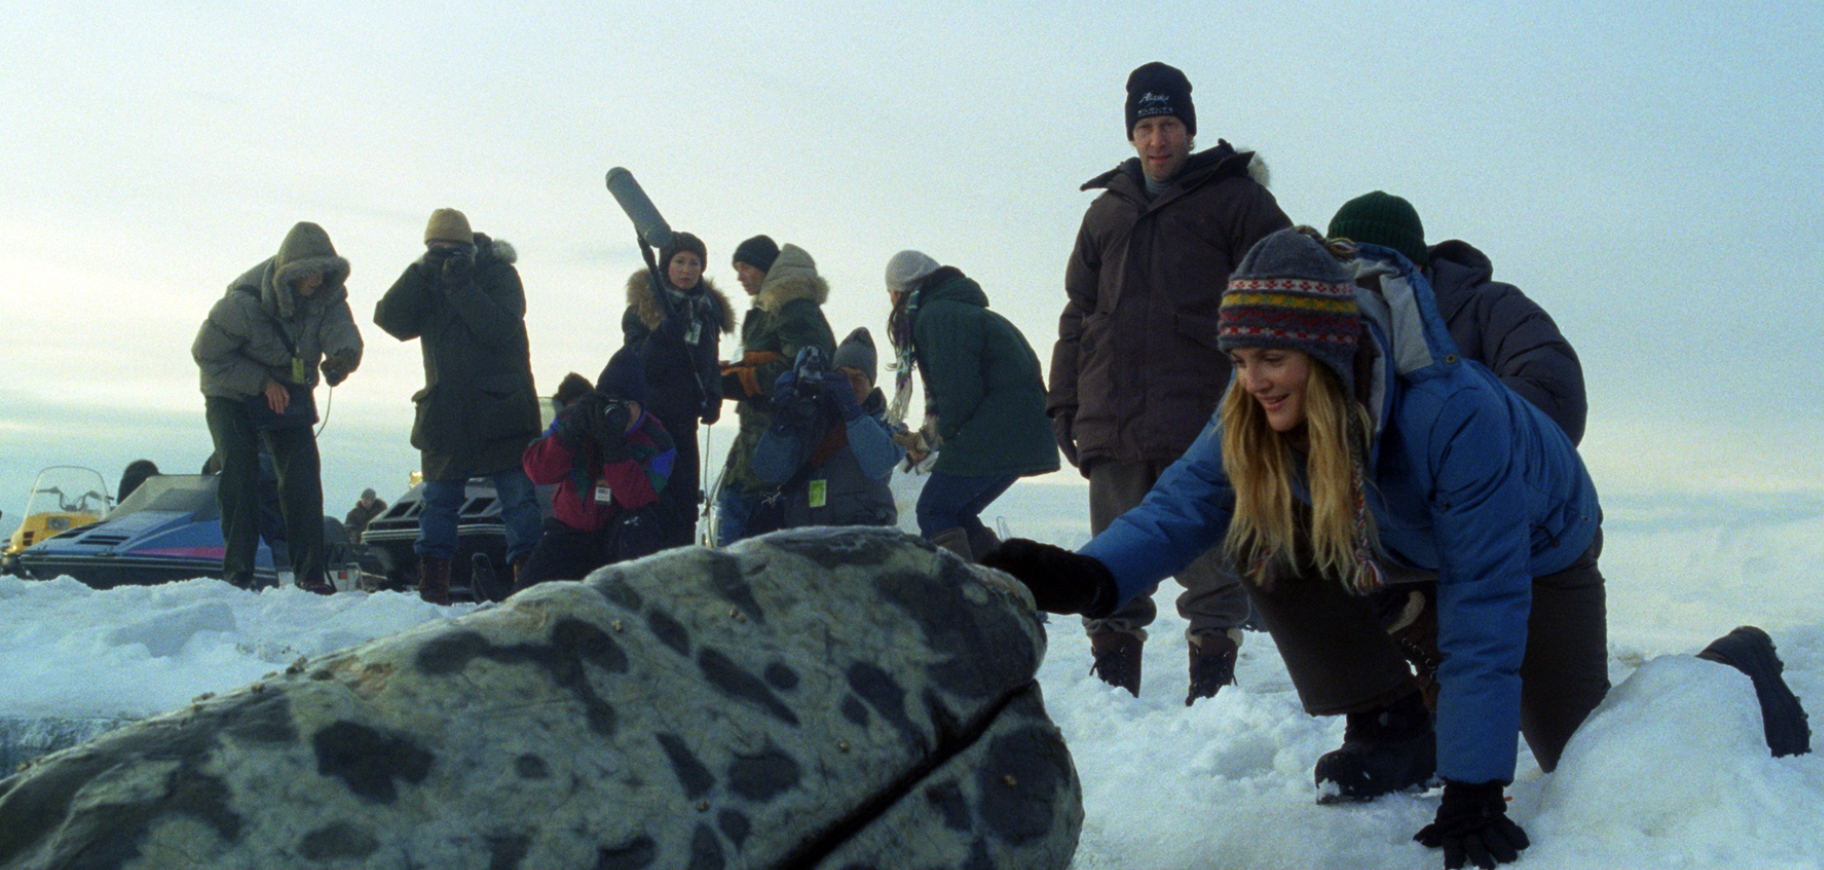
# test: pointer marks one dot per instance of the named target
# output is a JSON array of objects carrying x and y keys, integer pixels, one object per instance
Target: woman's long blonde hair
[{"x": 1258, "y": 460}]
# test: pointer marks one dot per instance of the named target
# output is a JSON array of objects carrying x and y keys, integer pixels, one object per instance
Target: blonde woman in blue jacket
[{"x": 1355, "y": 448}]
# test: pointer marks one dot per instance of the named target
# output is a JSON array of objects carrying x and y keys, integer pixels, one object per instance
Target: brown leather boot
[
  {"x": 1117, "y": 659},
  {"x": 1212, "y": 663},
  {"x": 956, "y": 541},
  {"x": 983, "y": 542},
  {"x": 434, "y": 579}
]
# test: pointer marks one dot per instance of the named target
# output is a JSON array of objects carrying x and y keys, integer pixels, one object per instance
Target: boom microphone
[{"x": 651, "y": 227}]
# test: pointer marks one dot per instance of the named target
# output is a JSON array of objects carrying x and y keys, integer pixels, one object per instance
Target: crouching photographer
[
  {"x": 610, "y": 460},
  {"x": 829, "y": 451}
]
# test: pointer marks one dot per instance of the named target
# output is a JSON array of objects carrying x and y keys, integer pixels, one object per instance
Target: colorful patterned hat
[{"x": 1290, "y": 292}]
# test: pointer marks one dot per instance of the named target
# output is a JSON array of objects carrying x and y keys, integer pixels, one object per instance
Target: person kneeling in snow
[
  {"x": 1355, "y": 448},
  {"x": 610, "y": 460},
  {"x": 829, "y": 448}
]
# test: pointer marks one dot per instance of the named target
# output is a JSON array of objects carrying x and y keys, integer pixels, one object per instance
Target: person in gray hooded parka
[{"x": 259, "y": 352}]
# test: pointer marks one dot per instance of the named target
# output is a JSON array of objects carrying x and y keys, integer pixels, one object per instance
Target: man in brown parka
[{"x": 1136, "y": 374}]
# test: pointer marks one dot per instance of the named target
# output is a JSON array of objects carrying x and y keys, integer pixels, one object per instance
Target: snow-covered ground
[{"x": 1671, "y": 772}]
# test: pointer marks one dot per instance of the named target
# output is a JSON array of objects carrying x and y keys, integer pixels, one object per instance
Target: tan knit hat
[{"x": 448, "y": 225}]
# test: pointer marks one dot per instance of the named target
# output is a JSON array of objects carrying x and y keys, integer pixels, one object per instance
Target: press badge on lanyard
[
  {"x": 820, "y": 493},
  {"x": 602, "y": 493},
  {"x": 300, "y": 373}
]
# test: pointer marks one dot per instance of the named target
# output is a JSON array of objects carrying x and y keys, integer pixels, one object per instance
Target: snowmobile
[
  {"x": 170, "y": 529},
  {"x": 480, "y": 534},
  {"x": 64, "y": 497}
]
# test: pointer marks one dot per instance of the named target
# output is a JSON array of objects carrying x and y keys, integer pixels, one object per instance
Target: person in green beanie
[{"x": 1491, "y": 322}]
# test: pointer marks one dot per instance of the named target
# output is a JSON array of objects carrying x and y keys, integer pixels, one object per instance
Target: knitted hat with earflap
[
  {"x": 1290, "y": 292},
  {"x": 1380, "y": 218}
]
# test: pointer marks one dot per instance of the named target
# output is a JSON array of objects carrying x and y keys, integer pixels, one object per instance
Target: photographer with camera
[
  {"x": 478, "y": 409},
  {"x": 611, "y": 460},
  {"x": 829, "y": 450}
]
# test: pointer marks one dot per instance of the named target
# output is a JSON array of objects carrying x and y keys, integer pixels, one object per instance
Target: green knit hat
[{"x": 1380, "y": 218}]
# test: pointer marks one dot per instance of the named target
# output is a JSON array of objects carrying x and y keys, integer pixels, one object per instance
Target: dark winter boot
[
  {"x": 1389, "y": 749},
  {"x": 1212, "y": 663},
  {"x": 956, "y": 541},
  {"x": 982, "y": 543},
  {"x": 1117, "y": 659},
  {"x": 1749, "y": 650},
  {"x": 434, "y": 579}
]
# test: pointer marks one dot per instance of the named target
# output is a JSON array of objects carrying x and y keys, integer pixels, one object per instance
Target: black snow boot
[
  {"x": 1388, "y": 749},
  {"x": 1749, "y": 650}
]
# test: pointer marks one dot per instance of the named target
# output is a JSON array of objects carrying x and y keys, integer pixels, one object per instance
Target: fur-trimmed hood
[
  {"x": 792, "y": 277},
  {"x": 305, "y": 251},
  {"x": 648, "y": 308}
]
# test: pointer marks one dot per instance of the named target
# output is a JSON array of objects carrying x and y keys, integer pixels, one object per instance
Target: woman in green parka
[{"x": 984, "y": 398}]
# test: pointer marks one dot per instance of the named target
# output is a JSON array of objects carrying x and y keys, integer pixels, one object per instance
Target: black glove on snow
[
  {"x": 1472, "y": 823},
  {"x": 1060, "y": 581}
]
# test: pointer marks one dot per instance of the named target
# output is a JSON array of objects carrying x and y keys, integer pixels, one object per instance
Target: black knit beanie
[
  {"x": 1158, "y": 89},
  {"x": 857, "y": 352},
  {"x": 624, "y": 377},
  {"x": 1380, "y": 218},
  {"x": 758, "y": 252}
]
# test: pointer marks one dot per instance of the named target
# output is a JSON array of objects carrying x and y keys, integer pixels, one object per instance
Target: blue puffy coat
[{"x": 1471, "y": 483}]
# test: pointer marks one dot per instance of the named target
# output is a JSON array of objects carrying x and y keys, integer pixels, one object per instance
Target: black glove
[
  {"x": 712, "y": 410},
  {"x": 458, "y": 265},
  {"x": 1061, "y": 581},
  {"x": 1472, "y": 823},
  {"x": 677, "y": 324},
  {"x": 1063, "y": 430},
  {"x": 573, "y": 428},
  {"x": 337, "y": 365}
]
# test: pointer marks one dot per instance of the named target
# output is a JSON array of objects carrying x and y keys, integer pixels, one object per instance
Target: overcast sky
[{"x": 1650, "y": 173}]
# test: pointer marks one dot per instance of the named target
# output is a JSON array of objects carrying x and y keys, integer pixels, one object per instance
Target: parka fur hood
[
  {"x": 792, "y": 277},
  {"x": 305, "y": 251},
  {"x": 647, "y": 307}
]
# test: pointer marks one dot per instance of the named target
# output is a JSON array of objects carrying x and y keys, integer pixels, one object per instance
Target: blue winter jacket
[{"x": 1471, "y": 483}]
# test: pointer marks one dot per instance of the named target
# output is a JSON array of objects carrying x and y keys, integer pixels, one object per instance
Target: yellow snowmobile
[{"x": 64, "y": 497}]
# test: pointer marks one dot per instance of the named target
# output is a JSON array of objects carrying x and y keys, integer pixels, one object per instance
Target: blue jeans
[
  {"x": 443, "y": 503},
  {"x": 733, "y": 507},
  {"x": 949, "y": 501}
]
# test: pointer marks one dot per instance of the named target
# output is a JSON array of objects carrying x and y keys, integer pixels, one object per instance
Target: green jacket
[
  {"x": 478, "y": 409},
  {"x": 252, "y": 330},
  {"x": 982, "y": 382},
  {"x": 787, "y": 316}
]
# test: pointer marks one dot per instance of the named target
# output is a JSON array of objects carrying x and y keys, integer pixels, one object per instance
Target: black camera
[{"x": 615, "y": 416}]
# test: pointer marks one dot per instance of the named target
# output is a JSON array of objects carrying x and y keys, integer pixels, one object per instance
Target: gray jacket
[{"x": 261, "y": 324}]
